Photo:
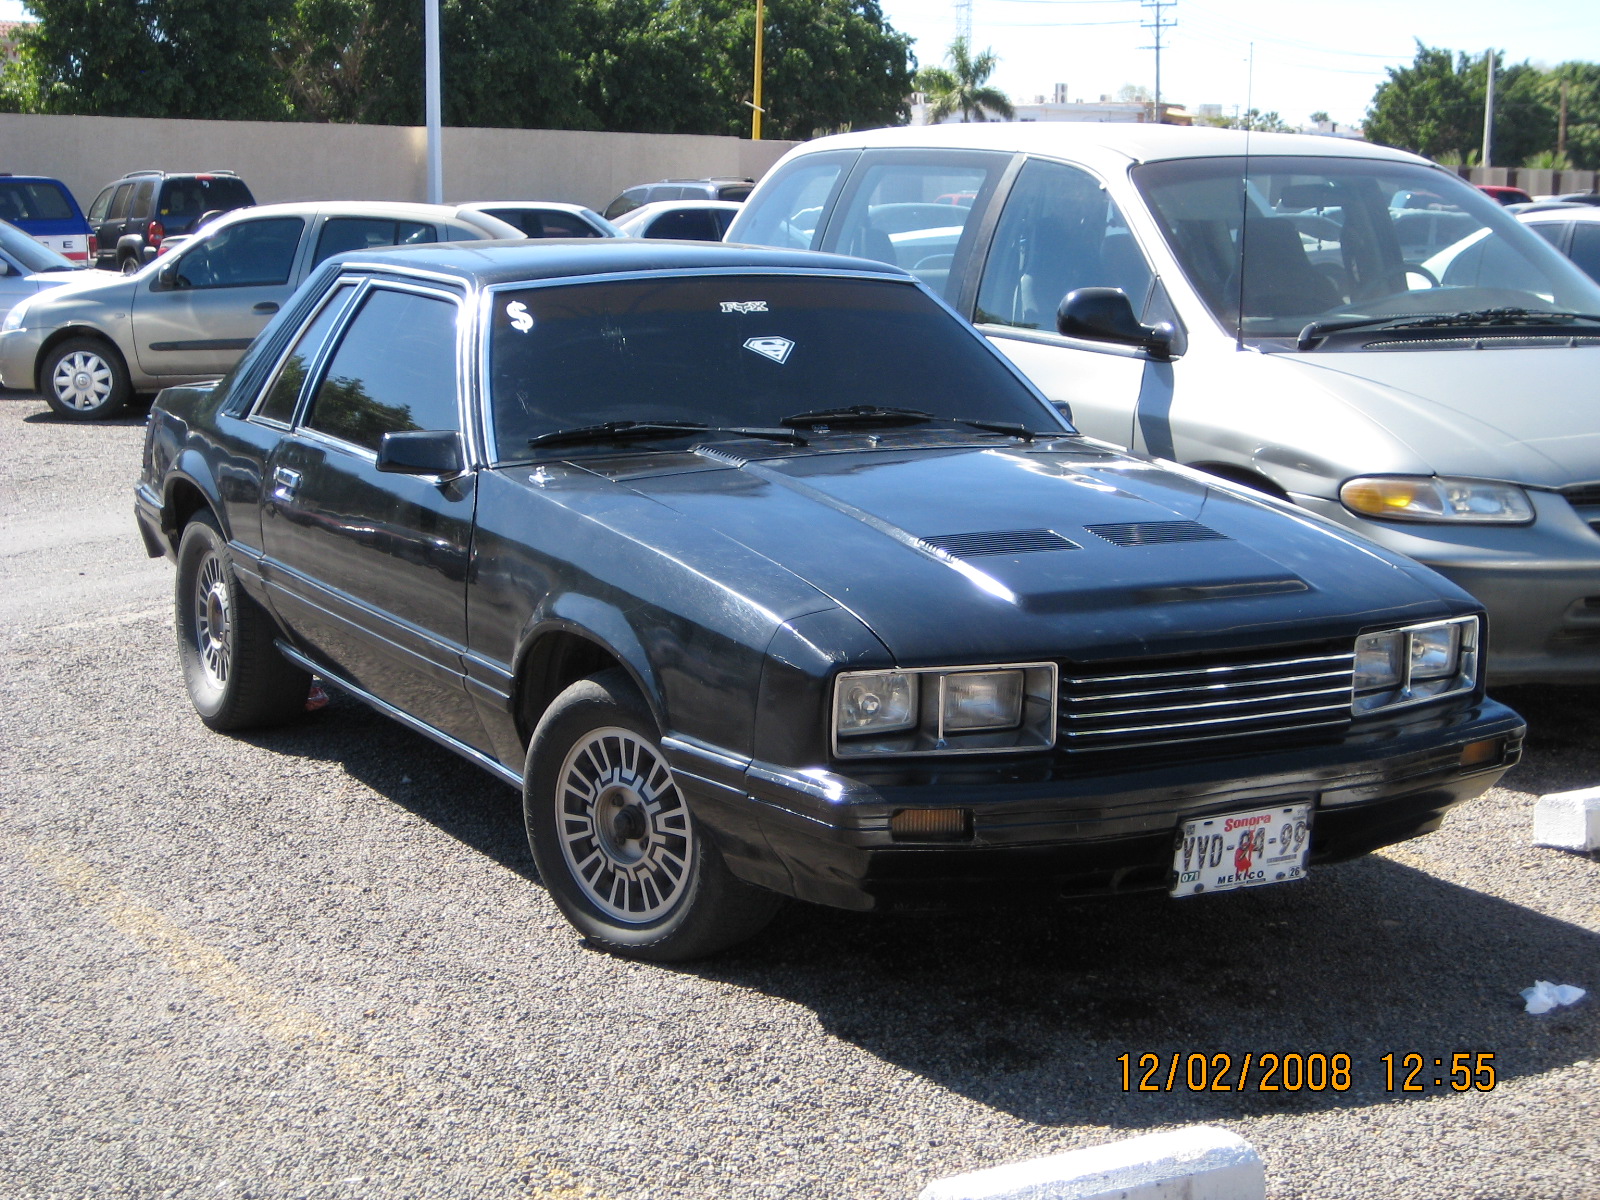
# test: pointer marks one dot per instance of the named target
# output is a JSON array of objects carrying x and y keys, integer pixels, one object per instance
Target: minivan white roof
[{"x": 1107, "y": 144}]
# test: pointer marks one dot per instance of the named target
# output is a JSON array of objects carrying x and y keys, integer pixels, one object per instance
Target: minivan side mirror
[
  {"x": 167, "y": 277},
  {"x": 421, "y": 452},
  {"x": 1101, "y": 314}
]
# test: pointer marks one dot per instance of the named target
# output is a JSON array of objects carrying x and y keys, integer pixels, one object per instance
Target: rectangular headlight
[
  {"x": 980, "y": 700},
  {"x": 1399, "y": 667},
  {"x": 874, "y": 702},
  {"x": 1007, "y": 707}
]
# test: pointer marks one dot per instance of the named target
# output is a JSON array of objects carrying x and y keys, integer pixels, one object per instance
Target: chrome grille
[{"x": 1206, "y": 699}]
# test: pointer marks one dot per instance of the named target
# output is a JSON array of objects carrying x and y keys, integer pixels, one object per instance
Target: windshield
[
  {"x": 31, "y": 254},
  {"x": 1344, "y": 239},
  {"x": 736, "y": 350}
]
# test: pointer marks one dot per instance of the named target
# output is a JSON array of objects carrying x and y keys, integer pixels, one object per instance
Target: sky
[{"x": 1308, "y": 57}]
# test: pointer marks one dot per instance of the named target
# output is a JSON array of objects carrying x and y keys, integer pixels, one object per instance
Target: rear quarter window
[{"x": 35, "y": 200}]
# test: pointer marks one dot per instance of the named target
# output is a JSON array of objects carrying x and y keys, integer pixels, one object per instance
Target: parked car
[
  {"x": 683, "y": 220},
  {"x": 759, "y": 572},
  {"x": 678, "y": 189},
  {"x": 132, "y": 215},
  {"x": 1284, "y": 330},
  {"x": 44, "y": 209},
  {"x": 1575, "y": 197},
  {"x": 1574, "y": 231},
  {"x": 547, "y": 219},
  {"x": 27, "y": 267},
  {"x": 1504, "y": 194},
  {"x": 190, "y": 316}
]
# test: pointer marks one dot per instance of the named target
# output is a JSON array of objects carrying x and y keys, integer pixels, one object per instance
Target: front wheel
[
  {"x": 614, "y": 840},
  {"x": 234, "y": 674},
  {"x": 84, "y": 379}
]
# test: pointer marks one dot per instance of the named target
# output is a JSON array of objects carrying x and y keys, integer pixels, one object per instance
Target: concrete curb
[
  {"x": 1568, "y": 820},
  {"x": 1200, "y": 1162}
]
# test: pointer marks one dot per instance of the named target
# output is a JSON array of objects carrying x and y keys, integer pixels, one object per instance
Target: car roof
[
  {"x": 1110, "y": 145},
  {"x": 556, "y": 205},
  {"x": 662, "y": 206},
  {"x": 1577, "y": 212},
  {"x": 487, "y": 264}
]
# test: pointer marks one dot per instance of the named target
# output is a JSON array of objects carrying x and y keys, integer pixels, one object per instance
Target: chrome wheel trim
[
  {"x": 82, "y": 380},
  {"x": 130, "y": 266},
  {"x": 624, "y": 828},
  {"x": 213, "y": 621}
]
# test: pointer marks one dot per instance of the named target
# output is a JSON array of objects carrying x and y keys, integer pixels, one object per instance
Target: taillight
[
  {"x": 94, "y": 246},
  {"x": 154, "y": 233}
]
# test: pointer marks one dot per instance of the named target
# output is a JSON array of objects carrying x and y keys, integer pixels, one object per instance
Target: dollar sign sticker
[{"x": 521, "y": 318}]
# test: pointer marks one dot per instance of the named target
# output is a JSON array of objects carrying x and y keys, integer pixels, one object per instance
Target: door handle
[
  {"x": 285, "y": 482},
  {"x": 266, "y": 306}
]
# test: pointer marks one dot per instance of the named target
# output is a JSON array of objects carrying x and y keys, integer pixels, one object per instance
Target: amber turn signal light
[
  {"x": 1476, "y": 754},
  {"x": 931, "y": 825}
]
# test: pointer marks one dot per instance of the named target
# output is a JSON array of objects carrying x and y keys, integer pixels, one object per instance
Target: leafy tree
[
  {"x": 1321, "y": 118},
  {"x": 1582, "y": 80},
  {"x": 1252, "y": 119},
  {"x": 962, "y": 87},
  {"x": 1436, "y": 106}
]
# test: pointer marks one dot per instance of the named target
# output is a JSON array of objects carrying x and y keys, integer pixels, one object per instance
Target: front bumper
[
  {"x": 19, "y": 356},
  {"x": 1066, "y": 829}
]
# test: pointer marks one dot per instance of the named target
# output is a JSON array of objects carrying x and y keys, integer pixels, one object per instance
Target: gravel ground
[{"x": 317, "y": 963}]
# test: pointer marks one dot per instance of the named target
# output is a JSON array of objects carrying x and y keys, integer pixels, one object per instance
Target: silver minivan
[{"x": 1345, "y": 327}]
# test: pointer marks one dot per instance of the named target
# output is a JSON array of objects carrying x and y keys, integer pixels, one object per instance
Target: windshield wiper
[
  {"x": 620, "y": 431},
  {"x": 1011, "y": 429},
  {"x": 857, "y": 414},
  {"x": 1481, "y": 319}
]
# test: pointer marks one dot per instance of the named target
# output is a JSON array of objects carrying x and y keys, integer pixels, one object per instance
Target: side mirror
[
  {"x": 1099, "y": 314},
  {"x": 423, "y": 452},
  {"x": 167, "y": 277}
]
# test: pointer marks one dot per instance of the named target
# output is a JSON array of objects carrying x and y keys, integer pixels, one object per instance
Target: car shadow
[
  {"x": 1029, "y": 1012},
  {"x": 1559, "y": 752},
  {"x": 137, "y": 412}
]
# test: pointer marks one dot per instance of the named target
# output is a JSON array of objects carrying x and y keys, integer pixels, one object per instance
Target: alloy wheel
[{"x": 82, "y": 380}]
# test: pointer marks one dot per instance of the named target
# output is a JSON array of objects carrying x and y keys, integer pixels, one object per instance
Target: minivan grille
[{"x": 1206, "y": 698}]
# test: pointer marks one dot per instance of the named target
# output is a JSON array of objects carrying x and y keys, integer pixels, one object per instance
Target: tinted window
[
  {"x": 33, "y": 201},
  {"x": 278, "y": 404},
  {"x": 902, "y": 213},
  {"x": 1060, "y": 230},
  {"x": 789, "y": 213},
  {"x": 119, "y": 202},
  {"x": 690, "y": 224},
  {"x": 394, "y": 370},
  {"x": 1550, "y": 231},
  {"x": 185, "y": 199},
  {"x": 142, "y": 195},
  {"x": 1586, "y": 248},
  {"x": 549, "y": 223},
  {"x": 97, "y": 210},
  {"x": 366, "y": 233},
  {"x": 630, "y": 199},
  {"x": 734, "y": 191},
  {"x": 249, "y": 253},
  {"x": 735, "y": 350}
]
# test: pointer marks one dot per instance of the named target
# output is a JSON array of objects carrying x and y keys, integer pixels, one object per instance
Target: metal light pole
[
  {"x": 1488, "y": 113},
  {"x": 755, "y": 115},
  {"x": 430, "y": 55}
]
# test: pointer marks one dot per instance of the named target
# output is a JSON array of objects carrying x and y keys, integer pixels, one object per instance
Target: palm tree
[{"x": 962, "y": 87}]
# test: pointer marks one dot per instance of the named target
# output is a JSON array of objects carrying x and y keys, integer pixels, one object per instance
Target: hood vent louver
[
  {"x": 1155, "y": 533},
  {"x": 1003, "y": 541}
]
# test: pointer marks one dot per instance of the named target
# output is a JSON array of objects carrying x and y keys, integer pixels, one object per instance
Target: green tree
[
  {"x": 150, "y": 58},
  {"x": 1582, "y": 80},
  {"x": 962, "y": 87},
  {"x": 1252, "y": 119},
  {"x": 1436, "y": 106}
]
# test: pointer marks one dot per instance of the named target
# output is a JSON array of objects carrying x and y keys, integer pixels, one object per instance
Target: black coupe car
[{"x": 763, "y": 574}]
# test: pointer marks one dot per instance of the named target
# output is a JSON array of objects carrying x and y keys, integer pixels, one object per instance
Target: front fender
[{"x": 607, "y": 627}]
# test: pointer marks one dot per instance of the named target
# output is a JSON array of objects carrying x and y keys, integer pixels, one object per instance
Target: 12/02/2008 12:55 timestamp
[{"x": 1460, "y": 1071}]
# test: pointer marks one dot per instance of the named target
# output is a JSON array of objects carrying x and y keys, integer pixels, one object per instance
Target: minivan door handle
[{"x": 266, "y": 306}]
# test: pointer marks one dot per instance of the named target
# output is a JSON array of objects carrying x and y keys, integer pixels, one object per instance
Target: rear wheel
[
  {"x": 234, "y": 674},
  {"x": 615, "y": 842},
  {"x": 85, "y": 379},
  {"x": 129, "y": 265}
]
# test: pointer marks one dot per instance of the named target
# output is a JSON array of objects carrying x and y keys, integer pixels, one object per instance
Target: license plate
[{"x": 1244, "y": 849}]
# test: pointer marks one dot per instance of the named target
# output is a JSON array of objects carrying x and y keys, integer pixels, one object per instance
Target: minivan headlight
[
  {"x": 1436, "y": 498},
  {"x": 945, "y": 710},
  {"x": 1397, "y": 667}
]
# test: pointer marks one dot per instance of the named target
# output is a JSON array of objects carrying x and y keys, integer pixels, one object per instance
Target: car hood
[
  {"x": 1528, "y": 416},
  {"x": 1033, "y": 552}
]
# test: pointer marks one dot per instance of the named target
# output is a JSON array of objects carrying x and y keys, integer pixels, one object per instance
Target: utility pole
[
  {"x": 964, "y": 22},
  {"x": 755, "y": 105},
  {"x": 1488, "y": 113},
  {"x": 431, "y": 104},
  {"x": 1561, "y": 127},
  {"x": 1158, "y": 25}
]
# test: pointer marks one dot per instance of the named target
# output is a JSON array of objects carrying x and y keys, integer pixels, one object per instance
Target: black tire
[
  {"x": 85, "y": 379},
  {"x": 234, "y": 674},
  {"x": 129, "y": 265},
  {"x": 658, "y": 888}
]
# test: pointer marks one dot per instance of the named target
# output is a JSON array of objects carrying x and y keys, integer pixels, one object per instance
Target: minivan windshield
[
  {"x": 1306, "y": 239},
  {"x": 739, "y": 351}
]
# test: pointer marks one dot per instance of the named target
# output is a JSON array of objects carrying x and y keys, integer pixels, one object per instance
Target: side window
[
  {"x": 689, "y": 224},
  {"x": 119, "y": 202},
  {"x": 395, "y": 370},
  {"x": 560, "y": 224},
  {"x": 97, "y": 210},
  {"x": 1060, "y": 231},
  {"x": 367, "y": 233},
  {"x": 139, "y": 210},
  {"x": 249, "y": 253},
  {"x": 1550, "y": 231},
  {"x": 279, "y": 401},
  {"x": 790, "y": 211},
  {"x": 912, "y": 215},
  {"x": 1586, "y": 247}
]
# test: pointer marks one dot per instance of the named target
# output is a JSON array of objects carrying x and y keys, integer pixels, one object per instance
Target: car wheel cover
[
  {"x": 213, "y": 622},
  {"x": 82, "y": 381},
  {"x": 624, "y": 829}
]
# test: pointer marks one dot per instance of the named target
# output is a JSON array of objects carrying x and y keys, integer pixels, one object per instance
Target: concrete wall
[
  {"x": 294, "y": 161},
  {"x": 1533, "y": 180}
]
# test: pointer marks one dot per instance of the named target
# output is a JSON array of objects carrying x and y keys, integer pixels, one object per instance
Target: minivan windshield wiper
[
  {"x": 857, "y": 414},
  {"x": 630, "y": 431},
  {"x": 1481, "y": 319}
]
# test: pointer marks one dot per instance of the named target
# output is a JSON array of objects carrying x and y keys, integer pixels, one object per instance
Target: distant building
[
  {"x": 8, "y": 38},
  {"x": 1059, "y": 108}
]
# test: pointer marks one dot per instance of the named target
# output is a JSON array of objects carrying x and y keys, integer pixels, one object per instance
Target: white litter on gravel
[{"x": 1544, "y": 995}]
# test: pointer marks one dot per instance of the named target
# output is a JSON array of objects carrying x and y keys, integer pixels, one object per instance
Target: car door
[
  {"x": 368, "y": 568},
  {"x": 1058, "y": 231},
  {"x": 196, "y": 314}
]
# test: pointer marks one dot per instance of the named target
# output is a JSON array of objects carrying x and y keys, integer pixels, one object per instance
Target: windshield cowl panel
[{"x": 1273, "y": 245}]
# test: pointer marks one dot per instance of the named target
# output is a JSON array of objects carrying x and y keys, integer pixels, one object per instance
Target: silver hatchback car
[
  {"x": 90, "y": 344},
  {"x": 1351, "y": 329}
]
